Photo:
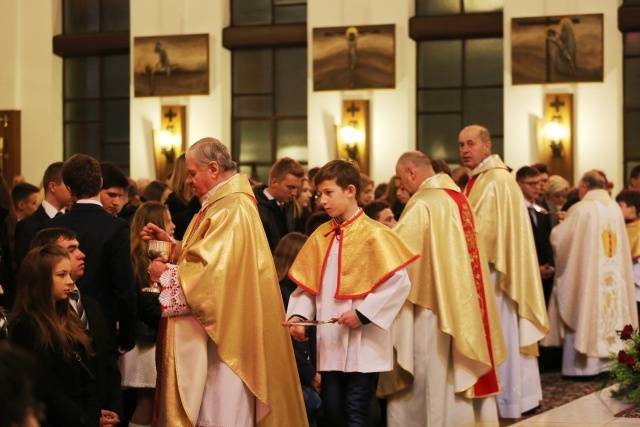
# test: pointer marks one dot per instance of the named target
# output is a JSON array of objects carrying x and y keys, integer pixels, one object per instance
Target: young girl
[
  {"x": 43, "y": 322},
  {"x": 305, "y": 352},
  {"x": 139, "y": 365}
]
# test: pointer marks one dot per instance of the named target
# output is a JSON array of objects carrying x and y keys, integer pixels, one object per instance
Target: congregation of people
[{"x": 315, "y": 298}]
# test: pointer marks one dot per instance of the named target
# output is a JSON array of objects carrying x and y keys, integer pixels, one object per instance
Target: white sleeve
[
  {"x": 302, "y": 303},
  {"x": 383, "y": 304}
]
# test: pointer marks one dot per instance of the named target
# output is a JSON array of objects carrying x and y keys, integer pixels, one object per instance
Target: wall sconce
[
  {"x": 352, "y": 137},
  {"x": 555, "y": 145},
  {"x": 169, "y": 141}
]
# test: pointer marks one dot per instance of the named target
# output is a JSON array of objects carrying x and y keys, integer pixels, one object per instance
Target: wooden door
[{"x": 10, "y": 144}]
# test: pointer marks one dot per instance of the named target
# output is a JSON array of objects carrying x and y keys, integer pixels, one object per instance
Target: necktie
[{"x": 78, "y": 307}]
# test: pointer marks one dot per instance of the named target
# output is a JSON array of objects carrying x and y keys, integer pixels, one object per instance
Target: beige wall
[
  {"x": 597, "y": 106},
  {"x": 207, "y": 115},
  {"x": 392, "y": 111},
  {"x": 31, "y": 80}
]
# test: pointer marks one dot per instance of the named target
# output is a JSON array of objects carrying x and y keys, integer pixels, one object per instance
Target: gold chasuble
[
  {"x": 229, "y": 281},
  {"x": 633, "y": 231},
  {"x": 505, "y": 234},
  {"x": 452, "y": 281},
  {"x": 358, "y": 237}
]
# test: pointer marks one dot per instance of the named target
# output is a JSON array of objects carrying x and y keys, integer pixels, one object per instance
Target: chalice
[{"x": 157, "y": 249}]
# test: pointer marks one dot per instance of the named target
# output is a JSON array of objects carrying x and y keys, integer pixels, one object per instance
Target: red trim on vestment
[{"x": 488, "y": 383}]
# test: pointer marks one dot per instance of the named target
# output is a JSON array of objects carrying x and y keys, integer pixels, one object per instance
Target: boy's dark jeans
[{"x": 346, "y": 398}]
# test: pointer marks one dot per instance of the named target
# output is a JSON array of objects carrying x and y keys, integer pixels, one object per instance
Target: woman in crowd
[
  {"x": 139, "y": 365},
  {"x": 180, "y": 192},
  {"x": 305, "y": 352},
  {"x": 302, "y": 208},
  {"x": 366, "y": 190},
  {"x": 156, "y": 191},
  {"x": 556, "y": 197},
  {"x": 42, "y": 322}
]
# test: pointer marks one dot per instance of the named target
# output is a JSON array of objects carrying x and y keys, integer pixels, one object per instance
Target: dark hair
[
  {"x": 286, "y": 251},
  {"x": 541, "y": 167},
  {"x": 22, "y": 191},
  {"x": 81, "y": 173},
  {"x": 594, "y": 179},
  {"x": 284, "y": 167},
  {"x": 373, "y": 209},
  {"x": 380, "y": 190},
  {"x": 52, "y": 174},
  {"x": 50, "y": 236},
  {"x": 526, "y": 172},
  {"x": 154, "y": 191},
  {"x": 316, "y": 220},
  {"x": 312, "y": 173},
  {"x": 57, "y": 325},
  {"x": 345, "y": 172},
  {"x": 630, "y": 198},
  {"x": 17, "y": 376},
  {"x": 112, "y": 176},
  {"x": 440, "y": 166},
  {"x": 635, "y": 172}
]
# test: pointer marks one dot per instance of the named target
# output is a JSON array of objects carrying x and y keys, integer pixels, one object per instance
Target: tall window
[
  {"x": 459, "y": 83},
  {"x": 631, "y": 101},
  {"x": 459, "y": 76},
  {"x": 269, "y": 90},
  {"x": 96, "y": 81}
]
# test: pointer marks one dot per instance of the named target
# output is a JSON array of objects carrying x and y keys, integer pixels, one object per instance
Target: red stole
[{"x": 488, "y": 383}]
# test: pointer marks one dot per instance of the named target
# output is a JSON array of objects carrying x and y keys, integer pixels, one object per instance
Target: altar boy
[{"x": 353, "y": 270}]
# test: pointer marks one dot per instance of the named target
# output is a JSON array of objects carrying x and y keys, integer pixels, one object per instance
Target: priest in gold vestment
[
  {"x": 504, "y": 232},
  {"x": 594, "y": 294},
  {"x": 447, "y": 337},
  {"x": 224, "y": 359}
]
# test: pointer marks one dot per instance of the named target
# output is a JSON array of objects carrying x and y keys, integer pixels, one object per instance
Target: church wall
[
  {"x": 598, "y": 132},
  {"x": 31, "y": 80},
  {"x": 207, "y": 115},
  {"x": 392, "y": 111}
]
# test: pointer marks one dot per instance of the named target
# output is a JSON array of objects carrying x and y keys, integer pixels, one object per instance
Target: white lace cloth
[{"x": 172, "y": 299}]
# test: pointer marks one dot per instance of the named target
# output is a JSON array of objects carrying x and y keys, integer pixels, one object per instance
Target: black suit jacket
[
  {"x": 544, "y": 250},
  {"x": 25, "y": 231},
  {"x": 108, "y": 273},
  {"x": 105, "y": 367},
  {"x": 276, "y": 221}
]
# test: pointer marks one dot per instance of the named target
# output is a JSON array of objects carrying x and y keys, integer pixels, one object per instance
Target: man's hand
[
  {"x": 561, "y": 215},
  {"x": 109, "y": 419},
  {"x": 546, "y": 271},
  {"x": 297, "y": 332},
  {"x": 316, "y": 382},
  {"x": 156, "y": 268},
  {"x": 350, "y": 319},
  {"x": 153, "y": 232}
]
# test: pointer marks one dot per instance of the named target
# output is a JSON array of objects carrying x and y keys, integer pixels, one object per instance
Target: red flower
[
  {"x": 622, "y": 356},
  {"x": 638, "y": 346},
  {"x": 630, "y": 362},
  {"x": 626, "y": 332}
]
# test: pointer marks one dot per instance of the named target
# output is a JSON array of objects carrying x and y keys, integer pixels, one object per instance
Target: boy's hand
[
  {"x": 297, "y": 332},
  {"x": 350, "y": 319}
]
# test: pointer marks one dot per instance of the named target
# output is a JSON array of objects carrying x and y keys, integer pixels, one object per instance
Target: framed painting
[
  {"x": 556, "y": 49},
  {"x": 360, "y": 57},
  {"x": 171, "y": 65}
]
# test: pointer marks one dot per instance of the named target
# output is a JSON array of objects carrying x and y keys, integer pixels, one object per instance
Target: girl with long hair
[
  {"x": 139, "y": 365},
  {"x": 283, "y": 256},
  {"x": 180, "y": 192},
  {"x": 302, "y": 208},
  {"x": 43, "y": 322}
]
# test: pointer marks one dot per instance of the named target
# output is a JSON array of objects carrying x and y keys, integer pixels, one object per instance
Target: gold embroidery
[{"x": 609, "y": 240}]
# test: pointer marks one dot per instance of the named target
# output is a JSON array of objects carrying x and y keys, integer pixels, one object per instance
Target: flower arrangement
[{"x": 625, "y": 366}]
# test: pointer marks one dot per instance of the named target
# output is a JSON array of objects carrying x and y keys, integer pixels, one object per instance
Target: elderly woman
[{"x": 556, "y": 197}]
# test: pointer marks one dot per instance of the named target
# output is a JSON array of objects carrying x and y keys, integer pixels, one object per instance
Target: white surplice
[{"x": 340, "y": 348}]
